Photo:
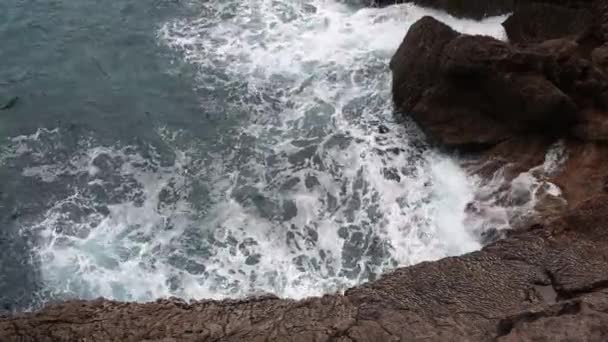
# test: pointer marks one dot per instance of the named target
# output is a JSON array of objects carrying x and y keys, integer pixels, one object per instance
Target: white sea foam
[{"x": 307, "y": 196}]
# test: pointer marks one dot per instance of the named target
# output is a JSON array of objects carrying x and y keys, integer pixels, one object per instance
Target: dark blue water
[{"x": 89, "y": 68}]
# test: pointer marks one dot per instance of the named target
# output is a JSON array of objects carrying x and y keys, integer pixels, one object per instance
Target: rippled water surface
[{"x": 212, "y": 149}]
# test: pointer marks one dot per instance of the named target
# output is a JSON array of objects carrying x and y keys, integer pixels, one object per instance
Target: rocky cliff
[{"x": 503, "y": 103}]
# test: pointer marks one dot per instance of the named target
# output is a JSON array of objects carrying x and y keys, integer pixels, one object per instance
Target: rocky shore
[{"x": 504, "y": 104}]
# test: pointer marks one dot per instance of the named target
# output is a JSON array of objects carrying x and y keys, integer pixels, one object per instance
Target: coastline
[{"x": 546, "y": 280}]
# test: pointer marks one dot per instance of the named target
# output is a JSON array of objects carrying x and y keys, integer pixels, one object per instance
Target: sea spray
[{"x": 317, "y": 189}]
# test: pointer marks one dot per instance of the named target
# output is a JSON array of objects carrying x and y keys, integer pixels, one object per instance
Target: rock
[
  {"x": 599, "y": 56},
  {"x": 478, "y": 91},
  {"x": 529, "y": 103},
  {"x": 467, "y": 56},
  {"x": 593, "y": 127},
  {"x": 600, "y": 22},
  {"x": 473, "y": 92},
  {"x": 455, "y": 116},
  {"x": 415, "y": 64},
  {"x": 585, "y": 171},
  {"x": 537, "y": 22},
  {"x": 513, "y": 79}
]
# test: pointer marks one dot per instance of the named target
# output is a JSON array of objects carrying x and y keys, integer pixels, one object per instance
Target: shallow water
[{"x": 212, "y": 149}]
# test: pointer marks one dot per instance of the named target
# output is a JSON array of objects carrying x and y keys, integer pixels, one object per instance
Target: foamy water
[{"x": 317, "y": 190}]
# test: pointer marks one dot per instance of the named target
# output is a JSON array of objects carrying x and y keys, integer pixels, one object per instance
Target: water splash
[{"x": 317, "y": 189}]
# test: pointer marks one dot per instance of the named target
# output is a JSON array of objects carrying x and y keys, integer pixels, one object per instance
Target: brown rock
[
  {"x": 599, "y": 56},
  {"x": 593, "y": 126},
  {"x": 415, "y": 64},
  {"x": 529, "y": 103},
  {"x": 585, "y": 171},
  {"x": 481, "y": 91},
  {"x": 467, "y": 56},
  {"x": 454, "y": 114},
  {"x": 472, "y": 92},
  {"x": 537, "y": 22},
  {"x": 600, "y": 11}
]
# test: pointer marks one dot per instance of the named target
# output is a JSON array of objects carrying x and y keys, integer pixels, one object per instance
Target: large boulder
[
  {"x": 414, "y": 65},
  {"x": 472, "y": 92},
  {"x": 599, "y": 56}
]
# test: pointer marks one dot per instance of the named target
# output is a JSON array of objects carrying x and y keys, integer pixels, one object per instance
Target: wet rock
[
  {"x": 454, "y": 116},
  {"x": 599, "y": 56},
  {"x": 415, "y": 64},
  {"x": 593, "y": 126},
  {"x": 474, "y": 92},
  {"x": 530, "y": 103},
  {"x": 536, "y": 22},
  {"x": 600, "y": 29}
]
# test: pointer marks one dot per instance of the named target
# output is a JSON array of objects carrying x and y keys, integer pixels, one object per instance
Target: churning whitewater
[{"x": 315, "y": 188}]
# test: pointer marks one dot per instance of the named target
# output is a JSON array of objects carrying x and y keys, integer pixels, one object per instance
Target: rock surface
[
  {"x": 537, "y": 22},
  {"x": 474, "y": 92},
  {"x": 545, "y": 281}
]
